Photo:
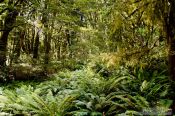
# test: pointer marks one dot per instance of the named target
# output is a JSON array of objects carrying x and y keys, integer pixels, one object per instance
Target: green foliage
[
  {"x": 103, "y": 58},
  {"x": 85, "y": 92}
]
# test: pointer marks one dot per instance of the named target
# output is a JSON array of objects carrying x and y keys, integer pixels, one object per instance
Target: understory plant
[{"x": 87, "y": 93}]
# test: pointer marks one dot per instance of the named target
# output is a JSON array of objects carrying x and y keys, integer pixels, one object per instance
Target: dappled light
[{"x": 87, "y": 57}]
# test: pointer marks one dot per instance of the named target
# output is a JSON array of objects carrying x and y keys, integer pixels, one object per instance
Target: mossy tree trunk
[
  {"x": 7, "y": 27},
  {"x": 36, "y": 46},
  {"x": 171, "y": 39},
  {"x": 169, "y": 27}
]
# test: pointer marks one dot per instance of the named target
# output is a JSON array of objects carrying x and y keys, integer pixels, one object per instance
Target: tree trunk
[
  {"x": 3, "y": 46},
  {"x": 47, "y": 48},
  {"x": 8, "y": 26},
  {"x": 170, "y": 36},
  {"x": 36, "y": 46},
  {"x": 19, "y": 45},
  {"x": 32, "y": 40},
  {"x": 171, "y": 40}
]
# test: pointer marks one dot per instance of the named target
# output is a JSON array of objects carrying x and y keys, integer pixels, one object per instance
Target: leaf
[
  {"x": 132, "y": 112},
  {"x": 144, "y": 85},
  {"x": 165, "y": 103}
]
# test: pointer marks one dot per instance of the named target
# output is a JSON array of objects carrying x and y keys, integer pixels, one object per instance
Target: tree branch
[{"x": 137, "y": 9}]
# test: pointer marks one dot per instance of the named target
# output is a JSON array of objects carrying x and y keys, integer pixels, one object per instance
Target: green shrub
[{"x": 87, "y": 93}]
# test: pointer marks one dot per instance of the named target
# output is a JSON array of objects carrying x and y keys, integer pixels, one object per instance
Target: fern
[{"x": 85, "y": 92}]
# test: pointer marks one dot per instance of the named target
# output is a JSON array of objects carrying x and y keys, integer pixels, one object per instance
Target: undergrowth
[{"x": 88, "y": 92}]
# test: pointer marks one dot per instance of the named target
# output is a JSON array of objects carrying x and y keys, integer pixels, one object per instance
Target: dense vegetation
[{"x": 87, "y": 57}]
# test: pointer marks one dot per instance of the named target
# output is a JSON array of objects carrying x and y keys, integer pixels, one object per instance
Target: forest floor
[{"x": 89, "y": 91}]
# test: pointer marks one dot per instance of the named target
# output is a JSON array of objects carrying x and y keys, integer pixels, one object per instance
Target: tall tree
[
  {"x": 12, "y": 10},
  {"x": 162, "y": 13},
  {"x": 169, "y": 23},
  {"x": 36, "y": 45}
]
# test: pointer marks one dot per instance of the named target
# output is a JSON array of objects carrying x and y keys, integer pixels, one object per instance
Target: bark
[
  {"x": 58, "y": 47},
  {"x": 36, "y": 46},
  {"x": 7, "y": 27},
  {"x": 19, "y": 44},
  {"x": 47, "y": 34},
  {"x": 3, "y": 46},
  {"x": 47, "y": 48},
  {"x": 170, "y": 36},
  {"x": 171, "y": 40},
  {"x": 32, "y": 41}
]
